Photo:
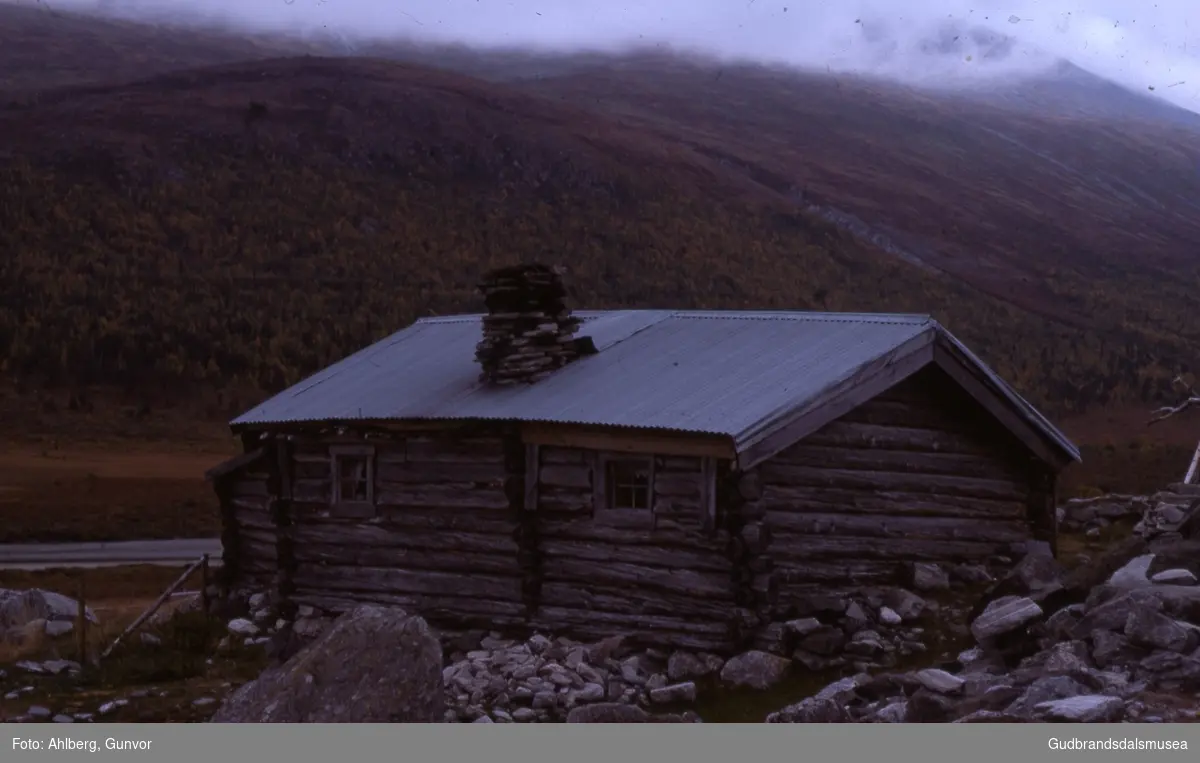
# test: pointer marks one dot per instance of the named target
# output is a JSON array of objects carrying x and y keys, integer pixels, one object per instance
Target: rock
[
  {"x": 802, "y": 626},
  {"x": 257, "y": 601},
  {"x": 755, "y": 670},
  {"x": 591, "y": 692},
  {"x": 687, "y": 666},
  {"x": 865, "y": 643},
  {"x": 1036, "y": 573},
  {"x": 524, "y": 715},
  {"x": 925, "y": 706},
  {"x": 673, "y": 694},
  {"x": 1004, "y": 615},
  {"x": 826, "y": 641},
  {"x": 240, "y": 626},
  {"x": 819, "y": 603},
  {"x": 1152, "y": 629},
  {"x": 1066, "y": 657},
  {"x": 1084, "y": 708},
  {"x": 60, "y": 718},
  {"x": 373, "y": 665},
  {"x": 18, "y": 608},
  {"x": 609, "y": 712},
  {"x": 971, "y": 574},
  {"x": 811, "y": 710},
  {"x": 940, "y": 681},
  {"x": 904, "y": 603},
  {"x": 57, "y": 628},
  {"x": 149, "y": 639},
  {"x": 38, "y": 712},
  {"x": 58, "y": 667},
  {"x": 203, "y": 701},
  {"x": 1045, "y": 690},
  {"x": 889, "y": 616},
  {"x": 894, "y": 712},
  {"x": 929, "y": 577},
  {"x": 1133, "y": 574},
  {"x": 29, "y": 666},
  {"x": 1174, "y": 577}
]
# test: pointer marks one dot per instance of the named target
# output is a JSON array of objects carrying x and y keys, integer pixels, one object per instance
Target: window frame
[
  {"x": 604, "y": 509},
  {"x": 351, "y": 508}
]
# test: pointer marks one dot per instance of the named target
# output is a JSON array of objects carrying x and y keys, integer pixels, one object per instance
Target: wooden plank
[
  {"x": 384, "y": 537},
  {"x": 486, "y": 450},
  {"x": 786, "y": 546},
  {"x": 665, "y": 557},
  {"x": 230, "y": 465},
  {"x": 871, "y": 380},
  {"x": 566, "y": 475},
  {"x": 691, "y": 582},
  {"x": 555, "y": 499},
  {"x": 854, "y": 479},
  {"x": 708, "y": 496},
  {"x": 880, "y": 459},
  {"x": 633, "y": 600},
  {"x": 849, "y": 434},
  {"x": 797, "y": 577},
  {"x": 666, "y": 533},
  {"x": 631, "y": 622},
  {"x": 897, "y": 502},
  {"x": 432, "y": 472},
  {"x": 1033, "y": 437},
  {"x": 567, "y": 436},
  {"x": 633, "y": 518},
  {"x": 928, "y": 528},
  {"x": 392, "y": 580},
  {"x": 929, "y": 412},
  {"x": 463, "y": 496},
  {"x": 563, "y": 455},
  {"x": 428, "y": 606},
  {"x": 533, "y": 460},
  {"x": 254, "y": 520},
  {"x": 311, "y": 490},
  {"x": 679, "y": 484},
  {"x": 415, "y": 560},
  {"x": 249, "y": 488}
]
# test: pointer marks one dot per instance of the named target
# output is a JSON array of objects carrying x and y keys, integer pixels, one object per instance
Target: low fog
[{"x": 1144, "y": 45}]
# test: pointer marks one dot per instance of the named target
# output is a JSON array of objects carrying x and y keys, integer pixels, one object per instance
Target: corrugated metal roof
[{"x": 724, "y": 373}]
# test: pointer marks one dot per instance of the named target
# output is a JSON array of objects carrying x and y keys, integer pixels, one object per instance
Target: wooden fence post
[
  {"x": 204, "y": 602},
  {"x": 82, "y": 623}
]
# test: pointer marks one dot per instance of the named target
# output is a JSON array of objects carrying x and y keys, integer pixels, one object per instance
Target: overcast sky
[{"x": 1138, "y": 43}]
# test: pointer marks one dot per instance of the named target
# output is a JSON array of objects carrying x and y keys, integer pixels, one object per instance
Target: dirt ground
[
  {"x": 106, "y": 492},
  {"x": 180, "y": 678}
]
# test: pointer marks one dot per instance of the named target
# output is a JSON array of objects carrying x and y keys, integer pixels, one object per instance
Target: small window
[
  {"x": 353, "y": 477},
  {"x": 628, "y": 484}
]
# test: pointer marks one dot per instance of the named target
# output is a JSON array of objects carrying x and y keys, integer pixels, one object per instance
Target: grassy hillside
[{"x": 206, "y": 236}]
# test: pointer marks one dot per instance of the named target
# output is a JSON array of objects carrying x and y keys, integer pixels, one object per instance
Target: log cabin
[{"x": 684, "y": 478}]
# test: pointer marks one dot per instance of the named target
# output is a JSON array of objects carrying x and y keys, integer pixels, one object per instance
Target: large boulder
[
  {"x": 373, "y": 665},
  {"x": 19, "y": 608}
]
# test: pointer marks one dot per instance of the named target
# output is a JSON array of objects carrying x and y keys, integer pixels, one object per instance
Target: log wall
[
  {"x": 248, "y": 536},
  {"x": 919, "y": 473},
  {"x": 664, "y": 581},
  {"x": 443, "y": 540}
]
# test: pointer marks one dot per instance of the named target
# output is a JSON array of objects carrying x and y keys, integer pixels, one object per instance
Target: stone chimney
[{"x": 528, "y": 331}]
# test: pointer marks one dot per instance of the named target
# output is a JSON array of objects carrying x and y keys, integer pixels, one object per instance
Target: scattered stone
[
  {"x": 1174, "y": 577},
  {"x": 673, "y": 694},
  {"x": 240, "y": 626},
  {"x": 940, "y": 681},
  {"x": 38, "y": 712},
  {"x": 1085, "y": 708},
  {"x": 374, "y": 665},
  {"x": 929, "y": 577},
  {"x": 889, "y": 616},
  {"x": 755, "y": 670},
  {"x": 63, "y": 719},
  {"x": 203, "y": 701},
  {"x": 1133, "y": 574},
  {"x": 1004, "y": 615},
  {"x": 58, "y": 628}
]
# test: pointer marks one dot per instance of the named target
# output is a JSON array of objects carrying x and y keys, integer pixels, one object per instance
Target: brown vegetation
[{"x": 201, "y": 238}]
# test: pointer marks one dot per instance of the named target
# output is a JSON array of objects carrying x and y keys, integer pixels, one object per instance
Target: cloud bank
[{"x": 1152, "y": 46}]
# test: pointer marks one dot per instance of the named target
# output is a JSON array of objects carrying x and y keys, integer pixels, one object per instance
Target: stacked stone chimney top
[{"x": 528, "y": 331}]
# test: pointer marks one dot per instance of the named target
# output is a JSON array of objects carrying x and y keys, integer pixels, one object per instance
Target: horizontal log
[
  {"x": 676, "y": 507},
  {"x": 386, "y": 537},
  {"x": 879, "y": 459},
  {"x": 411, "y": 559},
  {"x": 923, "y": 414},
  {"x": 310, "y": 470},
  {"x": 391, "y": 580},
  {"x": 409, "y": 518},
  {"x": 690, "y": 582},
  {"x": 880, "y": 526},
  {"x": 420, "y": 472},
  {"x": 455, "y": 450},
  {"x": 850, "y": 479},
  {"x": 313, "y": 489},
  {"x": 552, "y": 455},
  {"x": 428, "y": 606},
  {"x": 254, "y": 520},
  {"x": 632, "y": 600},
  {"x": 791, "y": 578},
  {"x": 666, "y": 557},
  {"x": 850, "y": 434},
  {"x": 462, "y": 496},
  {"x": 631, "y": 622},
  {"x": 260, "y": 504},
  {"x": 629, "y": 518},
  {"x": 678, "y": 464},
  {"x": 899, "y": 503},
  {"x": 666, "y": 533},
  {"x": 566, "y": 475},
  {"x": 248, "y": 535},
  {"x": 560, "y": 499},
  {"x": 785, "y": 546},
  {"x": 257, "y": 488},
  {"x": 678, "y": 484}
]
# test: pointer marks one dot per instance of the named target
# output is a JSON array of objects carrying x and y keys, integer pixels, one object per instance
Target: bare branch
[{"x": 1166, "y": 412}]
